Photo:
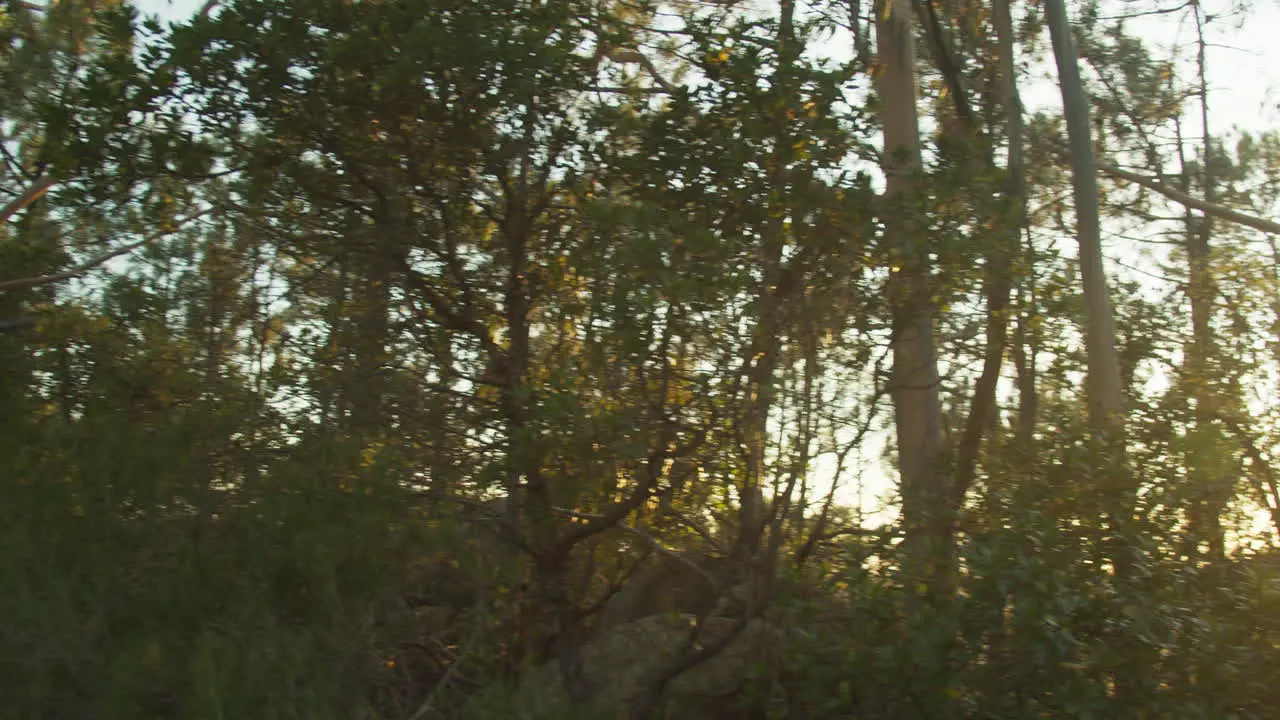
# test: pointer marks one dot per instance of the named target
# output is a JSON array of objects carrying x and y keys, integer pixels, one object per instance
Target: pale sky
[{"x": 1244, "y": 64}]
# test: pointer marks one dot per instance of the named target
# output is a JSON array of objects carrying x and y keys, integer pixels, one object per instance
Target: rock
[
  {"x": 619, "y": 665},
  {"x": 667, "y": 585}
]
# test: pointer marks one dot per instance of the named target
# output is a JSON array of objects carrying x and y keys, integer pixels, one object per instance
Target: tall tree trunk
[
  {"x": 1210, "y": 491},
  {"x": 926, "y": 493},
  {"x": 531, "y": 495},
  {"x": 766, "y": 342},
  {"x": 1105, "y": 391},
  {"x": 334, "y": 364},
  {"x": 1025, "y": 349},
  {"x": 364, "y": 387}
]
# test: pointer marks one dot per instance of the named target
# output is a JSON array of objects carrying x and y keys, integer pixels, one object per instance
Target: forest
[{"x": 636, "y": 359}]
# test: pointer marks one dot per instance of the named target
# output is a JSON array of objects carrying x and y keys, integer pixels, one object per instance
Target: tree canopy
[{"x": 418, "y": 359}]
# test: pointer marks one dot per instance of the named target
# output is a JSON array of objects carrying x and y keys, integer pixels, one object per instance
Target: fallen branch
[{"x": 94, "y": 262}]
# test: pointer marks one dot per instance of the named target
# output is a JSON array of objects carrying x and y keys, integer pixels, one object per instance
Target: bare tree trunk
[
  {"x": 1209, "y": 489},
  {"x": 335, "y": 366},
  {"x": 364, "y": 387},
  {"x": 1105, "y": 392},
  {"x": 1026, "y": 346},
  {"x": 926, "y": 493}
]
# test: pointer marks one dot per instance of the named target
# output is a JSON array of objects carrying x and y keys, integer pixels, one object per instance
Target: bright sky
[{"x": 1244, "y": 61}]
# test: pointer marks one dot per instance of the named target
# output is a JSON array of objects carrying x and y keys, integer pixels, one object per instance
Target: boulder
[{"x": 620, "y": 664}]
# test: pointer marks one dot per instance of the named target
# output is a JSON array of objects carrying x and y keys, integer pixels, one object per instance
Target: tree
[
  {"x": 521, "y": 358},
  {"x": 914, "y": 379},
  {"x": 1106, "y": 395}
]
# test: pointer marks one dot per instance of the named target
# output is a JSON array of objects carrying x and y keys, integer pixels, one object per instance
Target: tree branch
[
  {"x": 623, "y": 56},
  {"x": 28, "y": 196},
  {"x": 652, "y": 541},
  {"x": 94, "y": 262},
  {"x": 1221, "y": 212},
  {"x": 627, "y": 91}
]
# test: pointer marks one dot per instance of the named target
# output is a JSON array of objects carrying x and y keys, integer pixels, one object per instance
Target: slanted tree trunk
[
  {"x": 918, "y": 412},
  {"x": 1104, "y": 388},
  {"x": 1105, "y": 391}
]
